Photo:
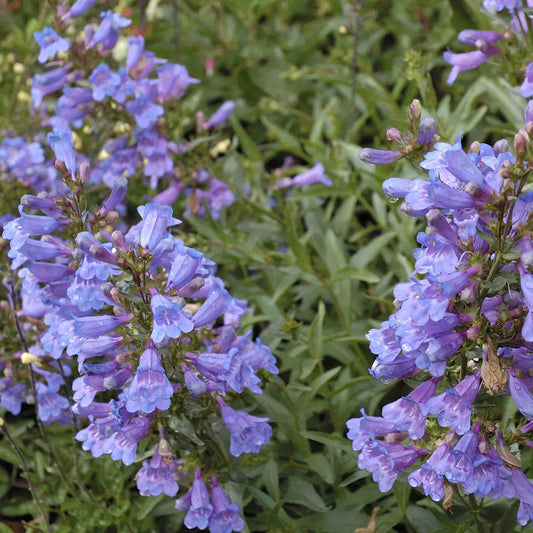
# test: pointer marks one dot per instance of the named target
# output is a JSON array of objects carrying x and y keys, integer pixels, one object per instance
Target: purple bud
[
  {"x": 379, "y": 157},
  {"x": 426, "y": 130},
  {"x": 221, "y": 114},
  {"x": 62, "y": 144}
]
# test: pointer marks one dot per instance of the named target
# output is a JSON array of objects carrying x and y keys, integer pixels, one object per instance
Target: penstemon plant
[
  {"x": 125, "y": 329},
  {"x": 462, "y": 332}
]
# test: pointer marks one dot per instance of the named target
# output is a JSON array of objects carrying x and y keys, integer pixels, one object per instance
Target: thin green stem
[{"x": 26, "y": 470}]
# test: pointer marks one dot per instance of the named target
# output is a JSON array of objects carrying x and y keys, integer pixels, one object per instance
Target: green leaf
[
  {"x": 294, "y": 242},
  {"x": 271, "y": 479},
  {"x": 303, "y": 493},
  {"x": 358, "y": 274},
  {"x": 315, "y": 339}
]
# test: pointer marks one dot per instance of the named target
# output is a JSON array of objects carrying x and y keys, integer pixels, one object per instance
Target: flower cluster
[
  {"x": 463, "y": 328},
  {"x": 125, "y": 114},
  {"x": 125, "y": 326},
  {"x": 512, "y": 41}
]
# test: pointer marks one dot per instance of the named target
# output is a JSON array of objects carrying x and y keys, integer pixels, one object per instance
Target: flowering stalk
[{"x": 464, "y": 318}]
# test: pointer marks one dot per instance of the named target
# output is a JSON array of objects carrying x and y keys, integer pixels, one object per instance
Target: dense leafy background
[{"x": 290, "y": 68}]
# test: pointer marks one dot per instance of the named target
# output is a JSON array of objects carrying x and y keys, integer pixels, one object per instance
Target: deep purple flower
[
  {"x": 372, "y": 156},
  {"x": 221, "y": 114},
  {"x": 62, "y": 144},
  {"x": 524, "y": 492},
  {"x": 49, "y": 82},
  {"x": 196, "y": 503},
  {"x": 365, "y": 429},
  {"x": 248, "y": 433},
  {"x": 468, "y": 60},
  {"x": 316, "y": 174},
  {"x": 118, "y": 193},
  {"x": 157, "y": 476},
  {"x": 184, "y": 267},
  {"x": 521, "y": 395},
  {"x": 135, "y": 51},
  {"x": 407, "y": 414},
  {"x": 105, "y": 82},
  {"x": 500, "y": 5},
  {"x": 432, "y": 483},
  {"x": 454, "y": 406},
  {"x": 386, "y": 460},
  {"x": 93, "y": 326},
  {"x": 426, "y": 130},
  {"x": 526, "y": 283},
  {"x": 458, "y": 464},
  {"x": 225, "y": 517},
  {"x": 108, "y": 32},
  {"x": 122, "y": 445},
  {"x": 214, "y": 305},
  {"x": 144, "y": 111},
  {"x": 172, "y": 81},
  {"x": 78, "y": 8},
  {"x": 51, "y": 43},
  {"x": 11, "y": 395},
  {"x": 150, "y": 388}
]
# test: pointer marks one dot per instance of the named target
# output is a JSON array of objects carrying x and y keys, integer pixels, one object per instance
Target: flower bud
[
  {"x": 475, "y": 147},
  {"x": 520, "y": 144},
  {"x": 84, "y": 172},
  {"x": 426, "y": 131},
  {"x": 501, "y": 147},
  {"x": 393, "y": 134}
]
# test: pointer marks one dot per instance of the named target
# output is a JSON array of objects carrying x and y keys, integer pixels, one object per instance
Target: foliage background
[{"x": 300, "y": 92}]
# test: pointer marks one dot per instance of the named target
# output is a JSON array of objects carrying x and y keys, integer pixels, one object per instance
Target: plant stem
[{"x": 26, "y": 470}]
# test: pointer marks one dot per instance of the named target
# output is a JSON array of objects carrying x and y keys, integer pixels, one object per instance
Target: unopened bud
[
  {"x": 118, "y": 241},
  {"x": 415, "y": 108},
  {"x": 84, "y": 172},
  {"x": 60, "y": 166},
  {"x": 501, "y": 146},
  {"x": 520, "y": 144},
  {"x": 164, "y": 448},
  {"x": 472, "y": 333},
  {"x": 2, "y": 422},
  {"x": 475, "y": 147},
  {"x": 426, "y": 131},
  {"x": 394, "y": 135}
]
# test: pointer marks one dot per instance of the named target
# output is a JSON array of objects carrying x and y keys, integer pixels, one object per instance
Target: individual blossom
[
  {"x": 104, "y": 81},
  {"x": 409, "y": 413},
  {"x": 386, "y": 461},
  {"x": 51, "y": 43},
  {"x": 454, "y": 406},
  {"x": 521, "y": 395},
  {"x": 150, "y": 388},
  {"x": 47, "y": 83},
  {"x": 170, "y": 320},
  {"x": 372, "y": 156},
  {"x": 220, "y": 115},
  {"x": 458, "y": 464},
  {"x": 78, "y": 8},
  {"x": 196, "y": 503},
  {"x": 144, "y": 111},
  {"x": 431, "y": 481},
  {"x": 248, "y": 433},
  {"x": 108, "y": 32},
  {"x": 316, "y": 174},
  {"x": 225, "y": 517},
  {"x": 157, "y": 476}
]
